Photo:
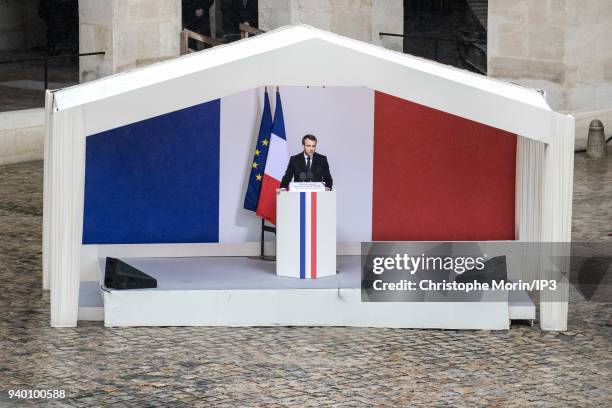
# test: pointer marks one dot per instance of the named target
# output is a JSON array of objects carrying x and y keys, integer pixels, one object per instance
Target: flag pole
[
  {"x": 261, "y": 251},
  {"x": 261, "y": 243},
  {"x": 266, "y": 228}
]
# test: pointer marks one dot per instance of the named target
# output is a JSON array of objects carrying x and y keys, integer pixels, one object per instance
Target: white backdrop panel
[
  {"x": 240, "y": 116},
  {"x": 342, "y": 118}
]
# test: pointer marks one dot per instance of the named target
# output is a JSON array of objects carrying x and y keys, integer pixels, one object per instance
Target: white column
[
  {"x": 47, "y": 190},
  {"x": 95, "y": 35},
  {"x": 66, "y": 215},
  {"x": 388, "y": 17},
  {"x": 133, "y": 33},
  {"x": 557, "y": 217}
]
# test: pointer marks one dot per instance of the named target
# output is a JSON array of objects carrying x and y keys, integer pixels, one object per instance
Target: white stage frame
[{"x": 296, "y": 56}]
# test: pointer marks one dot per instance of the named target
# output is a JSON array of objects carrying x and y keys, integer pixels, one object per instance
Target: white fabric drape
[
  {"x": 66, "y": 214},
  {"x": 47, "y": 189},
  {"x": 557, "y": 219}
]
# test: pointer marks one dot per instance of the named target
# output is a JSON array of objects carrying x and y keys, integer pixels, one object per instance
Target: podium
[{"x": 306, "y": 234}]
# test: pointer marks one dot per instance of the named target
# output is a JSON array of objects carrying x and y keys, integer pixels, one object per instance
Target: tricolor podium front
[{"x": 306, "y": 234}]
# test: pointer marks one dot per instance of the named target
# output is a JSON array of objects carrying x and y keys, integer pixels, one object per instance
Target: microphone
[
  {"x": 302, "y": 176},
  {"x": 310, "y": 175}
]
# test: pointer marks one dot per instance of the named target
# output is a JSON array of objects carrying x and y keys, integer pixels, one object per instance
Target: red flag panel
[{"x": 440, "y": 177}]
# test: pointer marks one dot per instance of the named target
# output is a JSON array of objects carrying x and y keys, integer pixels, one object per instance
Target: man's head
[{"x": 310, "y": 144}]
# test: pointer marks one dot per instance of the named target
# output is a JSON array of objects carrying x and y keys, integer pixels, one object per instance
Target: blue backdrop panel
[{"x": 155, "y": 181}]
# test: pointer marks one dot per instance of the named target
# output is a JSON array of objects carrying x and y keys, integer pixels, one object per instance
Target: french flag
[
  {"x": 251, "y": 198},
  {"x": 276, "y": 164},
  {"x": 403, "y": 171},
  {"x": 308, "y": 235}
]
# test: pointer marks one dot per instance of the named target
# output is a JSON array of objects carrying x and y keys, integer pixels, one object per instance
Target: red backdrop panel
[{"x": 440, "y": 177}]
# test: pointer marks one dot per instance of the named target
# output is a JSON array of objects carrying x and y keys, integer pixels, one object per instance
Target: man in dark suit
[
  {"x": 308, "y": 166},
  {"x": 235, "y": 12},
  {"x": 196, "y": 17}
]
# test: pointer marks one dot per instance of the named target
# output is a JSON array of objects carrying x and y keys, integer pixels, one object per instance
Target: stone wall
[
  {"x": 21, "y": 135},
  {"x": 95, "y": 34},
  {"x": 20, "y": 26},
  {"x": 132, "y": 32},
  {"x": 359, "y": 19},
  {"x": 388, "y": 17},
  {"x": 145, "y": 31},
  {"x": 588, "y": 55},
  {"x": 560, "y": 46}
]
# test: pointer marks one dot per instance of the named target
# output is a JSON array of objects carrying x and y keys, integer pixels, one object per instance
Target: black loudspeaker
[
  {"x": 119, "y": 275},
  {"x": 495, "y": 269}
]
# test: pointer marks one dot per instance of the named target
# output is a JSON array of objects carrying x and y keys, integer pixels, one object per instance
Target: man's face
[{"x": 309, "y": 147}]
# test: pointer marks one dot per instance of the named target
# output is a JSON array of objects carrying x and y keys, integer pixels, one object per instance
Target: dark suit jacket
[
  {"x": 234, "y": 12},
  {"x": 192, "y": 22},
  {"x": 297, "y": 167}
]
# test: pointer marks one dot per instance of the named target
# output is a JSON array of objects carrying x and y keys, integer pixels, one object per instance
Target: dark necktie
[{"x": 308, "y": 163}]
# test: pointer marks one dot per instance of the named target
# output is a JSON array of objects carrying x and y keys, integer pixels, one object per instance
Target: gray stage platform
[
  {"x": 237, "y": 273},
  {"x": 246, "y": 291}
]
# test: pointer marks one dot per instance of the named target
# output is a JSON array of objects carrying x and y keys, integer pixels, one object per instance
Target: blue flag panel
[{"x": 155, "y": 181}]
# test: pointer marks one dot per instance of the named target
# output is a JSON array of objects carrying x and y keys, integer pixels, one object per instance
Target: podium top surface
[
  {"x": 306, "y": 186},
  {"x": 311, "y": 191}
]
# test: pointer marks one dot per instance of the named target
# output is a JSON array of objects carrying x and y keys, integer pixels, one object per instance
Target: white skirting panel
[
  {"x": 66, "y": 215},
  {"x": 242, "y": 291},
  {"x": 292, "y": 307}
]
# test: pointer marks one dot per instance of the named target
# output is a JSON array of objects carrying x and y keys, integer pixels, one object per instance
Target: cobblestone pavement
[{"x": 316, "y": 366}]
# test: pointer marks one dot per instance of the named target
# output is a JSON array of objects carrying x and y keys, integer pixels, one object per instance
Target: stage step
[
  {"x": 520, "y": 305},
  {"x": 91, "y": 306}
]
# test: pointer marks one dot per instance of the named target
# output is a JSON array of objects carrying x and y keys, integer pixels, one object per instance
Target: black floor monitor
[{"x": 119, "y": 275}]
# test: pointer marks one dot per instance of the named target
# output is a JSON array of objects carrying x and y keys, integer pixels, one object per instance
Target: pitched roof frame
[{"x": 296, "y": 56}]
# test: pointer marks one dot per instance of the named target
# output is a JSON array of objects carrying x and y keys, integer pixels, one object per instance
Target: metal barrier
[
  {"x": 245, "y": 32},
  {"x": 466, "y": 46},
  {"x": 46, "y": 61}
]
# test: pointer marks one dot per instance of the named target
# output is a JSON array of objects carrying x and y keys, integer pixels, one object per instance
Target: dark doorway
[
  {"x": 61, "y": 19},
  {"x": 234, "y": 12},
  {"x": 219, "y": 18},
  {"x": 38, "y": 48},
  {"x": 452, "y": 32}
]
